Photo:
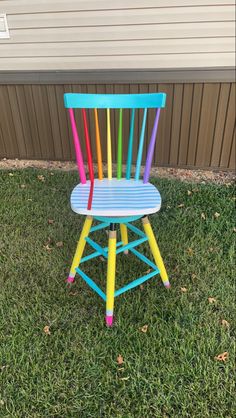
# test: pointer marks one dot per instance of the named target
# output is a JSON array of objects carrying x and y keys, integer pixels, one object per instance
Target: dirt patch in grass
[{"x": 196, "y": 176}]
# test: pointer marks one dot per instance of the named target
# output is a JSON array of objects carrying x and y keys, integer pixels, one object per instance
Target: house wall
[
  {"x": 197, "y": 127},
  {"x": 184, "y": 48},
  {"x": 106, "y": 35}
]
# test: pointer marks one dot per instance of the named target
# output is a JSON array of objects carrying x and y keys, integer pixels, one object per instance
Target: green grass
[{"x": 170, "y": 371}]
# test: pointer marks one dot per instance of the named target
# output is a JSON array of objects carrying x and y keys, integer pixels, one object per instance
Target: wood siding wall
[
  {"x": 129, "y": 34},
  {"x": 197, "y": 128}
]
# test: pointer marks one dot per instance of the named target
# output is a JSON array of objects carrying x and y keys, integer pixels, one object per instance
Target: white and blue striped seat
[{"x": 116, "y": 198}]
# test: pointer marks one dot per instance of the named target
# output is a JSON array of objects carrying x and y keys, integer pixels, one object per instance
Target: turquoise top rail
[{"x": 114, "y": 101}]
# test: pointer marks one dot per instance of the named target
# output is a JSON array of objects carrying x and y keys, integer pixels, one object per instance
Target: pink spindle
[
  {"x": 78, "y": 153},
  {"x": 90, "y": 160},
  {"x": 88, "y": 146}
]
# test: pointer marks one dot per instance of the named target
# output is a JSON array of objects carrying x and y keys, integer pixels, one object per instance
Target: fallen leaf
[
  {"x": 181, "y": 205},
  {"x": 212, "y": 300},
  {"x": 47, "y": 247},
  {"x": 225, "y": 323},
  {"x": 101, "y": 258},
  {"x": 148, "y": 271},
  {"x": 40, "y": 177},
  {"x": 73, "y": 293},
  {"x": 222, "y": 357},
  {"x": 50, "y": 221},
  {"x": 52, "y": 174},
  {"x": 211, "y": 249},
  {"x": 121, "y": 369},
  {"x": 59, "y": 244},
  {"x": 47, "y": 330},
  {"x": 23, "y": 186},
  {"x": 194, "y": 276},
  {"x": 203, "y": 216},
  {"x": 183, "y": 289},
  {"x": 141, "y": 287},
  {"x": 124, "y": 378},
  {"x": 1, "y": 402},
  {"x": 189, "y": 192},
  {"x": 120, "y": 359},
  {"x": 168, "y": 207},
  {"x": 30, "y": 200},
  {"x": 234, "y": 229},
  {"x": 11, "y": 174},
  {"x": 216, "y": 215},
  {"x": 190, "y": 251},
  {"x": 144, "y": 328}
]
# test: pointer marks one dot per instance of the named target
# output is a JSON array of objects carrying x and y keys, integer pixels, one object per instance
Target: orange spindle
[{"x": 98, "y": 146}]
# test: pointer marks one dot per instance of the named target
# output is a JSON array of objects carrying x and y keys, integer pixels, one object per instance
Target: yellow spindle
[
  {"x": 155, "y": 251},
  {"x": 124, "y": 235},
  {"x": 80, "y": 248},
  {"x": 111, "y": 273},
  {"x": 109, "y": 157}
]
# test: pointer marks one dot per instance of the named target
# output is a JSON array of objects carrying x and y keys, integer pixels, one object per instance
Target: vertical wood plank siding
[{"x": 197, "y": 128}]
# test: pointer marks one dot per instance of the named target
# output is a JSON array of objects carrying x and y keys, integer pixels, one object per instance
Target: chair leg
[
  {"x": 80, "y": 248},
  {"x": 124, "y": 236},
  {"x": 155, "y": 251},
  {"x": 111, "y": 271}
]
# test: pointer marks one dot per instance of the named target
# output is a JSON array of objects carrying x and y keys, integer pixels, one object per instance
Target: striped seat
[{"x": 116, "y": 198}]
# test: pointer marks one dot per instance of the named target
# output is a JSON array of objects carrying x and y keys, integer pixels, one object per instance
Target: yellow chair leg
[
  {"x": 80, "y": 248},
  {"x": 155, "y": 251},
  {"x": 111, "y": 272},
  {"x": 124, "y": 235}
]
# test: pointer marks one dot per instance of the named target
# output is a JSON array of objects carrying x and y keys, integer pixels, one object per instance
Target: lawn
[{"x": 71, "y": 370}]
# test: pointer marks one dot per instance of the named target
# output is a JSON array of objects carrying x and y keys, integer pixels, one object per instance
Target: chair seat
[{"x": 116, "y": 198}]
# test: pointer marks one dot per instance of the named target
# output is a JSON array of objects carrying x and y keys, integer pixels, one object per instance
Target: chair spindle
[
  {"x": 151, "y": 147},
  {"x": 130, "y": 146},
  {"x": 119, "y": 151},
  {"x": 90, "y": 160},
  {"x": 98, "y": 146},
  {"x": 141, "y": 142},
  {"x": 109, "y": 155},
  {"x": 78, "y": 153},
  {"x": 88, "y": 146}
]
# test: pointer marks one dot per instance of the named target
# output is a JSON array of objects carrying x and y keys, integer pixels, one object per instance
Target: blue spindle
[
  {"x": 130, "y": 147},
  {"x": 141, "y": 142}
]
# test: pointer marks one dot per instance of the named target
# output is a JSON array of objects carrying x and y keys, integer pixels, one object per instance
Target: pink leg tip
[
  {"x": 70, "y": 279},
  {"x": 167, "y": 285},
  {"x": 109, "y": 320}
]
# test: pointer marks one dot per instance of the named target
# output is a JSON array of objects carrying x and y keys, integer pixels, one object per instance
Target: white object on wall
[{"x": 4, "y": 32}]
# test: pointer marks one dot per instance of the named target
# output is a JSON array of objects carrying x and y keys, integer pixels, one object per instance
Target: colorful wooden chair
[{"x": 115, "y": 200}]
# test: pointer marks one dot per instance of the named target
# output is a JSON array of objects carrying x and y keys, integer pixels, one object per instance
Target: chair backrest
[{"x": 114, "y": 101}]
